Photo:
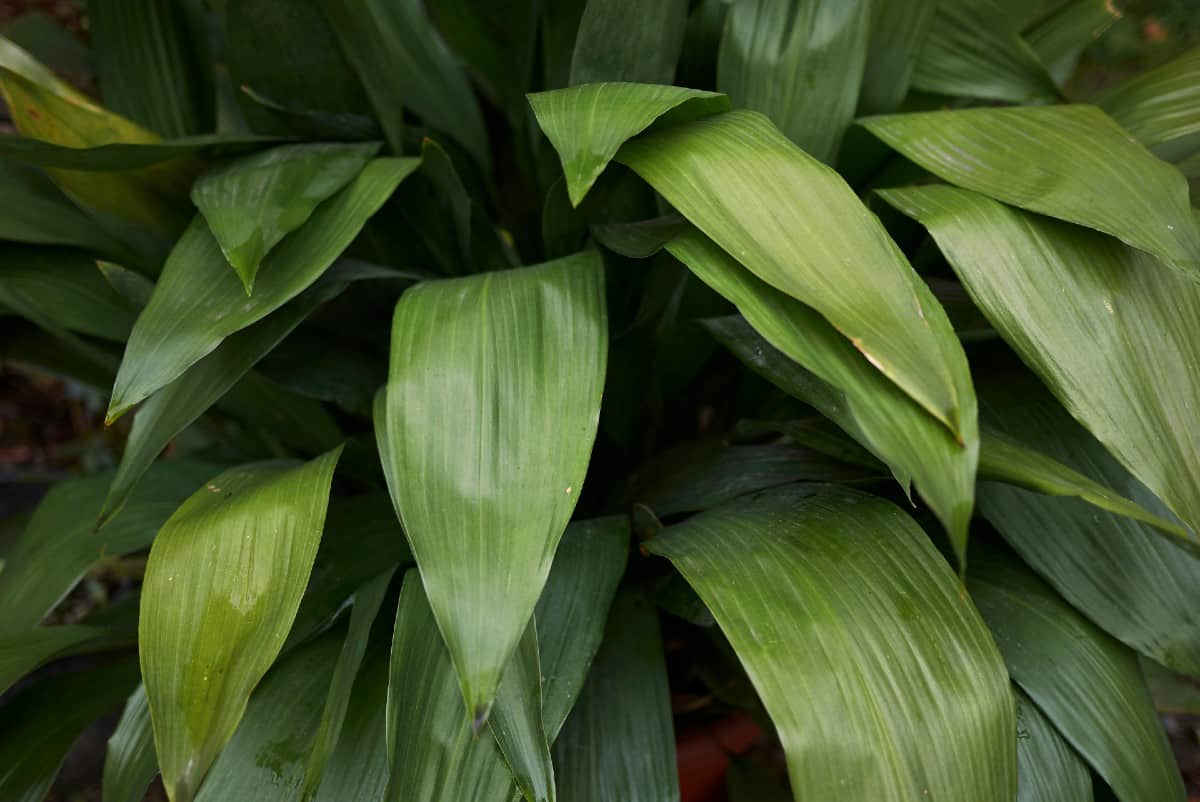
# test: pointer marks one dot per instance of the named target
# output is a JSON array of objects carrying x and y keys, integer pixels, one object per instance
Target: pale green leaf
[
  {"x": 1085, "y": 682},
  {"x": 367, "y": 601},
  {"x": 800, "y": 63},
  {"x": 897, "y": 36},
  {"x": 628, "y": 40},
  {"x": 199, "y": 301},
  {"x": 1161, "y": 107},
  {"x": 588, "y": 124},
  {"x": 254, "y": 202},
  {"x": 1069, "y": 162},
  {"x": 795, "y": 224},
  {"x": 222, "y": 586},
  {"x": 619, "y": 741},
  {"x": 1106, "y": 327},
  {"x": 1048, "y": 769},
  {"x": 491, "y": 409},
  {"x": 130, "y": 764},
  {"x": 860, "y": 643}
]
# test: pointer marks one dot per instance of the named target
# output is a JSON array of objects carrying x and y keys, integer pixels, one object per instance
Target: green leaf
[
  {"x": 223, "y": 582},
  {"x": 130, "y": 764},
  {"x": 628, "y": 40},
  {"x": 61, "y": 288},
  {"x": 175, "y": 407},
  {"x": 150, "y": 64},
  {"x": 491, "y": 410},
  {"x": 1161, "y": 107},
  {"x": 619, "y": 741},
  {"x": 432, "y": 751},
  {"x": 570, "y": 615},
  {"x": 254, "y": 202},
  {"x": 795, "y": 224},
  {"x": 358, "y": 768},
  {"x": 801, "y": 64},
  {"x": 34, "y": 210},
  {"x": 843, "y": 384},
  {"x": 588, "y": 124},
  {"x": 60, "y": 542},
  {"x": 1060, "y": 38},
  {"x": 1110, "y": 332},
  {"x": 974, "y": 49},
  {"x": 1086, "y": 683},
  {"x": 265, "y": 759},
  {"x": 748, "y": 783},
  {"x": 901, "y": 659},
  {"x": 897, "y": 35},
  {"x": 1172, "y": 693},
  {"x": 367, "y": 600},
  {"x": 22, "y": 652},
  {"x": 38, "y": 726},
  {"x": 1128, "y": 578},
  {"x": 1069, "y": 162},
  {"x": 517, "y": 723},
  {"x": 402, "y": 61},
  {"x": 171, "y": 335},
  {"x": 177, "y": 160},
  {"x": 1048, "y": 770}
]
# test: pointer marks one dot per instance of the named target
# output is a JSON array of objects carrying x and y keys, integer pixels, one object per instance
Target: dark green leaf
[
  {"x": 897, "y": 36},
  {"x": 33, "y": 210},
  {"x": 628, "y": 40},
  {"x": 61, "y": 288},
  {"x": 1048, "y": 770},
  {"x": 358, "y": 769},
  {"x": 22, "y": 652},
  {"x": 1161, "y": 107},
  {"x": 491, "y": 410},
  {"x": 1060, "y": 38},
  {"x": 901, "y": 659},
  {"x": 130, "y": 764}
]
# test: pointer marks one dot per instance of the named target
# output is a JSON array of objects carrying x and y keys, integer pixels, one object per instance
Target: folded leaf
[
  {"x": 402, "y": 61},
  {"x": 491, "y": 409},
  {"x": 252, "y": 203},
  {"x": 894, "y": 43},
  {"x": 1048, "y": 770},
  {"x": 628, "y": 40},
  {"x": 60, "y": 541},
  {"x": 974, "y": 49},
  {"x": 800, "y": 63},
  {"x": 587, "y": 141},
  {"x": 1085, "y": 682},
  {"x": 198, "y": 301},
  {"x": 1161, "y": 107},
  {"x": 860, "y": 643},
  {"x": 38, "y": 726},
  {"x": 795, "y": 224},
  {"x": 1069, "y": 162},
  {"x": 1110, "y": 332},
  {"x": 367, "y": 601},
  {"x": 222, "y": 586},
  {"x": 130, "y": 764},
  {"x": 1128, "y": 578},
  {"x": 619, "y": 741},
  {"x": 151, "y": 66}
]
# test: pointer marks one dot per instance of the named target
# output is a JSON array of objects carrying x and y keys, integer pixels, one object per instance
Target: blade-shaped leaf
[
  {"x": 367, "y": 601},
  {"x": 795, "y": 224},
  {"x": 498, "y": 41},
  {"x": 22, "y": 652},
  {"x": 800, "y": 63},
  {"x": 973, "y": 49},
  {"x": 358, "y": 768},
  {"x": 628, "y": 40},
  {"x": 433, "y": 753},
  {"x": 574, "y": 605},
  {"x": 38, "y": 726},
  {"x": 491, "y": 410},
  {"x": 901, "y": 659},
  {"x": 517, "y": 724},
  {"x": 1069, "y": 162},
  {"x": 130, "y": 764},
  {"x": 1086, "y": 683},
  {"x": 222, "y": 586},
  {"x": 171, "y": 335},
  {"x": 1048, "y": 770},
  {"x": 402, "y": 60},
  {"x": 1161, "y": 107},
  {"x": 150, "y": 64},
  {"x": 1130, "y": 377},
  {"x": 265, "y": 759},
  {"x": 619, "y": 742},
  {"x": 34, "y": 210},
  {"x": 587, "y": 141},
  {"x": 1060, "y": 38},
  {"x": 1128, "y": 578},
  {"x": 60, "y": 541},
  {"x": 897, "y": 36},
  {"x": 252, "y": 203},
  {"x": 843, "y": 384}
]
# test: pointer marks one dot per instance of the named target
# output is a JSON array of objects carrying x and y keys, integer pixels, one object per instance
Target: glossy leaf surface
[
  {"x": 130, "y": 764},
  {"x": 1048, "y": 769},
  {"x": 1161, "y": 107}
]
